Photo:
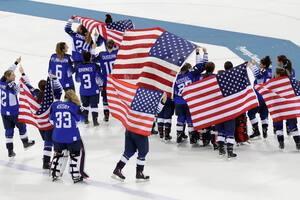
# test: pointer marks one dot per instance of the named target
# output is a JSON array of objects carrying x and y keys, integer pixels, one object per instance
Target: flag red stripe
[
  {"x": 206, "y": 93},
  {"x": 134, "y": 55},
  {"x": 208, "y": 106},
  {"x": 26, "y": 101},
  {"x": 143, "y": 64},
  {"x": 214, "y": 122},
  {"x": 223, "y": 103},
  {"x": 135, "y": 46},
  {"x": 30, "y": 110},
  {"x": 140, "y": 37},
  {"x": 285, "y": 110},
  {"x": 135, "y": 130},
  {"x": 284, "y": 117},
  {"x": 133, "y": 121},
  {"x": 138, "y": 117},
  {"x": 222, "y": 111},
  {"x": 281, "y": 106}
]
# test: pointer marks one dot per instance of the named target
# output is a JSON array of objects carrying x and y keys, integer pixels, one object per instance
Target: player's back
[
  {"x": 87, "y": 74},
  {"x": 106, "y": 60},
  {"x": 64, "y": 116},
  {"x": 180, "y": 83},
  {"x": 62, "y": 69}
]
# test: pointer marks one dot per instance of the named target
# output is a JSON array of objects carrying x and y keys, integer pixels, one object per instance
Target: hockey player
[
  {"x": 291, "y": 123},
  {"x": 39, "y": 96},
  {"x": 184, "y": 78},
  {"x": 81, "y": 40},
  {"x": 164, "y": 120},
  {"x": 209, "y": 134},
  {"x": 284, "y": 62},
  {"x": 154, "y": 130},
  {"x": 87, "y": 73},
  {"x": 226, "y": 130},
  {"x": 61, "y": 66},
  {"x": 262, "y": 75},
  {"x": 45, "y": 134},
  {"x": 66, "y": 137},
  {"x": 135, "y": 142},
  {"x": 108, "y": 19},
  {"x": 10, "y": 109},
  {"x": 106, "y": 60}
]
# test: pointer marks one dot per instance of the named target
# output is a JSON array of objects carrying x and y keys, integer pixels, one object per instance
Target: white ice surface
[{"x": 261, "y": 171}]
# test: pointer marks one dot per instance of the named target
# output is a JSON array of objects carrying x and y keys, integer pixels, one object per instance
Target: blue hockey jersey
[
  {"x": 78, "y": 42},
  {"x": 62, "y": 69},
  {"x": 9, "y": 104},
  {"x": 8, "y": 98},
  {"x": 88, "y": 76},
  {"x": 185, "y": 79},
  {"x": 261, "y": 76},
  {"x": 64, "y": 116},
  {"x": 106, "y": 60}
]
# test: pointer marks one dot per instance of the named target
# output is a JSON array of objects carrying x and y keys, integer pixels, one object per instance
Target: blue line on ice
[{"x": 235, "y": 41}]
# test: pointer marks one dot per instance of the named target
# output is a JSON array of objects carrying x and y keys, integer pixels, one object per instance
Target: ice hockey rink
[{"x": 230, "y": 29}]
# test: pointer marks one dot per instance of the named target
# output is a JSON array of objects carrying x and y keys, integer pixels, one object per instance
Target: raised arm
[
  {"x": 68, "y": 27},
  {"x": 199, "y": 68},
  {"x": 35, "y": 92},
  {"x": 201, "y": 60},
  {"x": 14, "y": 66},
  {"x": 56, "y": 87},
  {"x": 255, "y": 70}
]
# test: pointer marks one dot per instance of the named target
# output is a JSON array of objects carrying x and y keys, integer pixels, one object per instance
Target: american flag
[
  {"x": 151, "y": 58},
  {"x": 220, "y": 98},
  {"x": 112, "y": 31},
  {"x": 31, "y": 112},
  {"x": 135, "y": 107},
  {"x": 282, "y": 97},
  {"x": 121, "y": 25}
]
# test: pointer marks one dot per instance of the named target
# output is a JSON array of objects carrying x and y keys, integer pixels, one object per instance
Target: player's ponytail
[
  {"x": 60, "y": 47},
  {"x": 286, "y": 63},
  {"x": 42, "y": 87},
  {"x": 88, "y": 38},
  {"x": 70, "y": 95},
  {"x": 86, "y": 34},
  {"x": 280, "y": 71}
]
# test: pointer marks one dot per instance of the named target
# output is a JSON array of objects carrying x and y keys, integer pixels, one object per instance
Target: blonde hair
[
  {"x": 8, "y": 73},
  {"x": 60, "y": 49},
  {"x": 88, "y": 37},
  {"x": 86, "y": 33},
  {"x": 71, "y": 96}
]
